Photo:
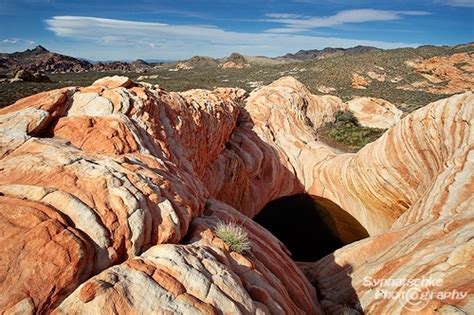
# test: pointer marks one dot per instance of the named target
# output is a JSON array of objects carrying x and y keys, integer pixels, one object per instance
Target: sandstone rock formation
[
  {"x": 325, "y": 89},
  {"x": 233, "y": 65},
  {"x": 109, "y": 195},
  {"x": 106, "y": 173},
  {"x": 418, "y": 204},
  {"x": 359, "y": 82},
  {"x": 40, "y": 59},
  {"x": 235, "y": 61},
  {"x": 444, "y": 74},
  {"x": 182, "y": 66},
  {"x": 113, "y": 82},
  {"x": 374, "y": 112},
  {"x": 25, "y": 75},
  {"x": 139, "y": 66}
]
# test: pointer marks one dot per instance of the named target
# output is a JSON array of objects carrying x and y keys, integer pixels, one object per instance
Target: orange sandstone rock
[
  {"x": 109, "y": 196},
  {"x": 374, "y": 112},
  {"x": 119, "y": 174},
  {"x": 114, "y": 82},
  {"x": 233, "y": 65},
  {"x": 359, "y": 82},
  {"x": 43, "y": 258},
  {"x": 444, "y": 74}
]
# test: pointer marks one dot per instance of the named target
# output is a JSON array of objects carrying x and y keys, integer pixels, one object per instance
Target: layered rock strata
[
  {"x": 105, "y": 181},
  {"x": 109, "y": 195}
]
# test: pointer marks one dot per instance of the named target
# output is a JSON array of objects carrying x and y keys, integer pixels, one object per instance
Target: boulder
[{"x": 114, "y": 82}]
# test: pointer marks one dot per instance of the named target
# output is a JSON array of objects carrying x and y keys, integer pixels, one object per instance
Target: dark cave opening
[{"x": 310, "y": 227}]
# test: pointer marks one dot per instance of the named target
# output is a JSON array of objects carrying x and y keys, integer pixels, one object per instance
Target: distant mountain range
[
  {"x": 40, "y": 59},
  {"x": 329, "y": 52}
]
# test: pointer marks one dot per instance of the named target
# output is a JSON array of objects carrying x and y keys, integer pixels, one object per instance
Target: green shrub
[
  {"x": 346, "y": 117},
  {"x": 347, "y": 130},
  {"x": 233, "y": 235}
]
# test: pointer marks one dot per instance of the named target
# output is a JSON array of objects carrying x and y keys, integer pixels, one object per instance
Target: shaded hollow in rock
[{"x": 310, "y": 227}]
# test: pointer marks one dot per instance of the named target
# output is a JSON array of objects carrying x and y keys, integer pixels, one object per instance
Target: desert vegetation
[
  {"x": 233, "y": 235},
  {"x": 348, "y": 133},
  {"x": 334, "y": 72}
]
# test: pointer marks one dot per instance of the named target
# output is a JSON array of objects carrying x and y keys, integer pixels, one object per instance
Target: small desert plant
[{"x": 233, "y": 235}]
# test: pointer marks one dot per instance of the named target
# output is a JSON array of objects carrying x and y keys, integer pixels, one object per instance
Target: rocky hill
[
  {"x": 236, "y": 61},
  {"x": 40, "y": 59},
  {"x": 315, "y": 54},
  {"x": 444, "y": 74},
  {"x": 197, "y": 62},
  {"x": 111, "y": 194},
  {"x": 137, "y": 66}
]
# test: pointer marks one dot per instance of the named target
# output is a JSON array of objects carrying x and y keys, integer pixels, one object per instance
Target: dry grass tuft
[{"x": 233, "y": 235}]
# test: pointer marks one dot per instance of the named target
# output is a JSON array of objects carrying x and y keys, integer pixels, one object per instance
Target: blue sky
[{"x": 173, "y": 29}]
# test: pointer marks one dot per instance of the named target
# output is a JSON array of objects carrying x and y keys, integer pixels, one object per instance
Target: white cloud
[
  {"x": 459, "y": 3},
  {"x": 284, "y": 30},
  {"x": 342, "y": 17},
  {"x": 282, "y": 15},
  {"x": 120, "y": 39},
  {"x": 13, "y": 41}
]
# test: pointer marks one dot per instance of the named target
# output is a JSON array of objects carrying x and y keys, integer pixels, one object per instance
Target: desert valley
[{"x": 322, "y": 181}]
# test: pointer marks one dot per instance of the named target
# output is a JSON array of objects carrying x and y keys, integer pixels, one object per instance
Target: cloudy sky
[{"x": 179, "y": 29}]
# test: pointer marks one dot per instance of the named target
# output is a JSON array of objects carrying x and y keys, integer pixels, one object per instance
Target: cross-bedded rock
[{"x": 109, "y": 195}]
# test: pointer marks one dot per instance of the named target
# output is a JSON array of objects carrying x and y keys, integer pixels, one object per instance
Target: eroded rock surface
[
  {"x": 374, "y": 112},
  {"x": 359, "y": 82},
  {"x": 95, "y": 177},
  {"x": 444, "y": 74},
  {"x": 110, "y": 193}
]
